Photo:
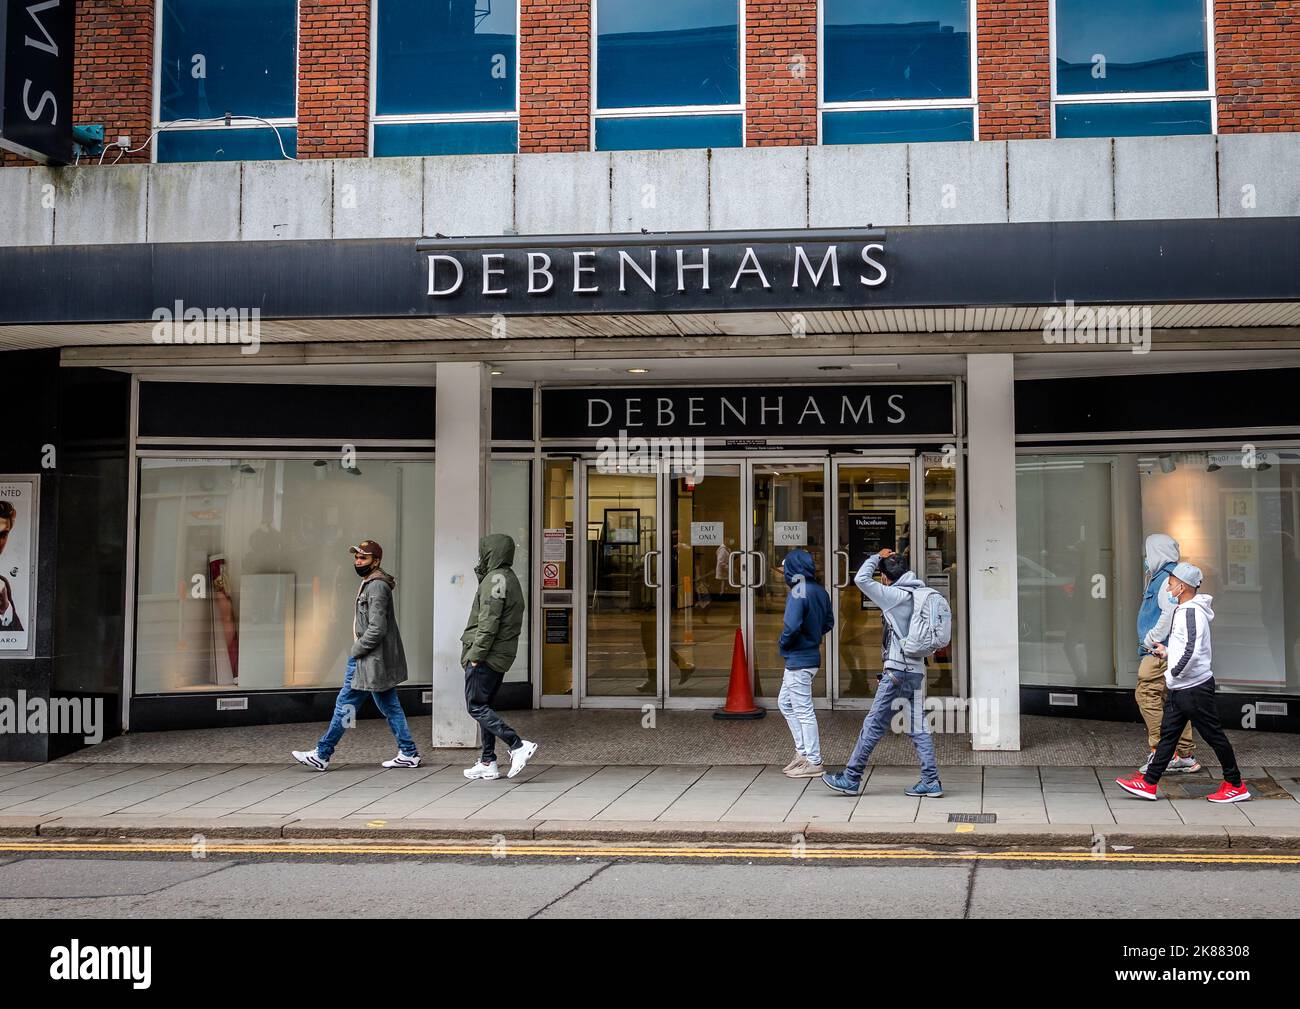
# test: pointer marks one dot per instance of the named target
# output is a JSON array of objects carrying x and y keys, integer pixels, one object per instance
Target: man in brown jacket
[{"x": 376, "y": 665}]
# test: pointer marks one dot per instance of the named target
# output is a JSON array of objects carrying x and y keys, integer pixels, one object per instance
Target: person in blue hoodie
[
  {"x": 808, "y": 619},
  {"x": 1154, "y": 620},
  {"x": 902, "y": 682}
]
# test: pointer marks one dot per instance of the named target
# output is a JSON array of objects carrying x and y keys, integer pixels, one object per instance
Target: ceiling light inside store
[{"x": 638, "y": 371}]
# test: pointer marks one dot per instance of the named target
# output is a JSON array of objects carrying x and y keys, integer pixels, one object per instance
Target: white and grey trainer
[
  {"x": 310, "y": 758},
  {"x": 1184, "y": 765},
  {"x": 402, "y": 760},
  {"x": 520, "y": 756},
  {"x": 487, "y": 772}
]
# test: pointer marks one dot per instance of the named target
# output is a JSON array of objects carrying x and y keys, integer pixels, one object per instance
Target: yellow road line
[{"x": 527, "y": 849}]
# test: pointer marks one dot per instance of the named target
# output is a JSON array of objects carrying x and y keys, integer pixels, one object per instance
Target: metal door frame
[
  {"x": 788, "y": 458},
  {"x": 915, "y": 511},
  {"x": 668, "y": 701},
  {"x": 582, "y": 467}
]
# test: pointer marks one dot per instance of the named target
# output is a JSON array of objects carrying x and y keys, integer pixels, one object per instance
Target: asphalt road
[{"x": 63, "y": 885}]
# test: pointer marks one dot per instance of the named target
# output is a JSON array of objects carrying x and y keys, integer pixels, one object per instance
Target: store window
[
  {"x": 668, "y": 75},
  {"x": 1132, "y": 68},
  {"x": 896, "y": 71},
  {"x": 244, "y": 578},
  {"x": 219, "y": 58},
  {"x": 445, "y": 77},
  {"x": 1082, "y": 521}
]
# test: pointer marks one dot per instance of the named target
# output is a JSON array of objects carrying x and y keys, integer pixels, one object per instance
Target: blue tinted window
[
  {"x": 881, "y": 50},
  {"x": 439, "y": 56},
  {"x": 236, "y": 56},
  {"x": 657, "y": 133},
  {"x": 1112, "y": 46},
  {"x": 226, "y": 144},
  {"x": 1132, "y": 119},
  {"x": 667, "y": 52},
  {"x": 905, "y": 126},
  {"x": 414, "y": 139}
]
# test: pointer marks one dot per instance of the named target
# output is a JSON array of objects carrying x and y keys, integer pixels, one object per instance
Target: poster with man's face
[{"x": 17, "y": 553}]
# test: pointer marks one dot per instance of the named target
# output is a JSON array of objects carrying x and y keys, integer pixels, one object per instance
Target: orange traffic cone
[{"x": 740, "y": 699}]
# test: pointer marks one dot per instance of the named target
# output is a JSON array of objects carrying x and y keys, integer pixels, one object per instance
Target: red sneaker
[
  {"x": 1137, "y": 785},
  {"x": 1231, "y": 793}
]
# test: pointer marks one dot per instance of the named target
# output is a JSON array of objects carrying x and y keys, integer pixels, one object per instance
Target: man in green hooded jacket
[{"x": 488, "y": 649}]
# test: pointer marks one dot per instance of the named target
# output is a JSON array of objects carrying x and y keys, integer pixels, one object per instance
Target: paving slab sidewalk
[{"x": 1030, "y": 805}]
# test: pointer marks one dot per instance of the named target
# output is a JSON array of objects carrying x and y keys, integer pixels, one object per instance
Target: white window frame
[
  {"x": 1140, "y": 97},
  {"x": 900, "y": 104},
  {"x": 158, "y": 125},
  {"x": 667, "y": 111},
  {"x": 391, "y": 119}
]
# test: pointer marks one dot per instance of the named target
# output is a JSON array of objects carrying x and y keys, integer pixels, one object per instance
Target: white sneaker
[
  {"x": 309, "y": 758},
  {"x": 402, "y": 760},
  {"x": 1184, "y": 765},
  {"x": 520, "y": 756},
  {"x": 488, "y": 772}
]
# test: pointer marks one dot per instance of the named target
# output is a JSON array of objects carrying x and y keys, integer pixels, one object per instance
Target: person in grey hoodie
[
  {"x": 902, "y": 684},
  {"x": 1190, "y": 680},
  {"x": 376, "y": 665},
  {"x": 1155, "y": 617}
]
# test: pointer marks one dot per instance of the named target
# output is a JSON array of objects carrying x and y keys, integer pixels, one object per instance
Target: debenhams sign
[{"x": 638, "y": 277}]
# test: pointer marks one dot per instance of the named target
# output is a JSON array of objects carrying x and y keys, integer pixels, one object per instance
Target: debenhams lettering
[{"x": 645, "y": 269}]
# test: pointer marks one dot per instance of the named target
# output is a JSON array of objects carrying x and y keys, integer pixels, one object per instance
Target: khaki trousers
[{"x": 1150, "y": 694}]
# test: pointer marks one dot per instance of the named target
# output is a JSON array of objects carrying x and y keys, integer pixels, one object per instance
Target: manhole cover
[
  {"x": 1260, "y": 788},
  {"x": 972, "y": 817}
]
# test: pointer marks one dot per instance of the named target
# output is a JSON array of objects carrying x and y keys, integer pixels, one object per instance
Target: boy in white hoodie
[{"x": 1191, "y": 690}]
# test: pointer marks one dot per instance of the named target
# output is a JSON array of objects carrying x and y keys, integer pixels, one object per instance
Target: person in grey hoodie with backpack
[
  {"x": 808, "y": 619},
  {"x": 901, "y": 683}
]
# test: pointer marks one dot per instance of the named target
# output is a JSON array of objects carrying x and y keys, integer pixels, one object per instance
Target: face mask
[
  {"x": 1173, "y": 599},
  {"x": 362, "y": 572},
  {"x": 1146, "y": 568}
]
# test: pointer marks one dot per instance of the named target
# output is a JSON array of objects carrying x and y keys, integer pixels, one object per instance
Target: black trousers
[
  {"x": 481, "y": 685},
  {"x": 1195, "y": 705}
]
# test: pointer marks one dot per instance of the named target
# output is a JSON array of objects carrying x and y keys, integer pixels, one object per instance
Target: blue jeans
[
  {"x": 903, "y": 686},
  {"x": 349, "y": 702}
]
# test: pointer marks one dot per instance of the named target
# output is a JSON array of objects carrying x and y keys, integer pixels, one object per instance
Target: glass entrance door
[
  {"x": 621, "y": 595},
  {"x": 788, "y": 509},
  {"x": 708, "y": 568},
  {"x": 873, "y": 510},
  {"x": 675, "y": 563}
]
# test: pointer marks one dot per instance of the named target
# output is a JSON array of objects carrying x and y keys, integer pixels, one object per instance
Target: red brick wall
[
  {"x": 1015, "y": 83},
  {"x": 1257, "y": 65},
  {"x": 333, "y": 78},
  {"x": 780, "y": 72},
  {"x": 555, "y": 75},
  {"x": 113, "y": 72}
]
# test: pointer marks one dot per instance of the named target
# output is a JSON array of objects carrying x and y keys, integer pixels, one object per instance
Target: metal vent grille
[
  {"x": 232, "y": 703},
  {"x": 972, "y": 817}
]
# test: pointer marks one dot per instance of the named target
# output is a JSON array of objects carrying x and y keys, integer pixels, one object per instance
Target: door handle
[
  {"x": 762, "y": 568},
  {"x": 645, "y": 569},
  {"x": 848, "y": 568},
  {"x": 731, "y": 570}
]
